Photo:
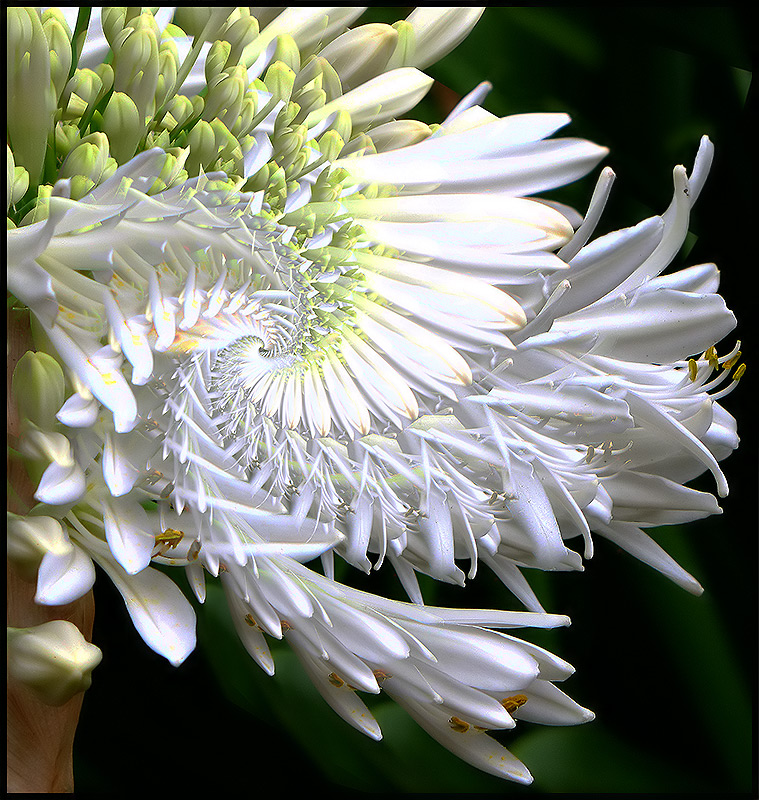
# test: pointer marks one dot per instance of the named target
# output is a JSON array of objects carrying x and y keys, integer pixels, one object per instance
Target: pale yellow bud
[
  {"x": 279, "y": 80},
  {"x": 52, "y": 659}
]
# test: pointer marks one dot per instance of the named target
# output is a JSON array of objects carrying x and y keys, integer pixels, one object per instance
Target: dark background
[{"x": 671, "y": 677}]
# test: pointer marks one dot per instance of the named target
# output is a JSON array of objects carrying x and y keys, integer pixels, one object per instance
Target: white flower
[{"x": 295, "y": 326}]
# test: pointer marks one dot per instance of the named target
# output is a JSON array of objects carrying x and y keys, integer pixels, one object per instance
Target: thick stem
[{"x": 40, "y": 737}]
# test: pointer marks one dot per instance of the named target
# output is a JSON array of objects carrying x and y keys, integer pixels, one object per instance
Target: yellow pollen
[
  {"x": 692, "y": 368},
  {"x": 169, "y": 537},
  {"x": 738, "y": 374},
  {"x": 336, "y": 680},
  {"x": 458, "y": 725},
  {"x": 733, "y": 361},
  {"x": 711, "y": 356},
  {"x": 511, "y": 704}
]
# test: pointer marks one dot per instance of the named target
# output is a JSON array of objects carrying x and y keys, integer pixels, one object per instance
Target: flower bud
[
  {"x": 17, "y": 180},
  {"x": 114, "y": 19},
  {"x": 136, "y": 65},
  {"x": 84, "y": 88},
  {"x": 59, "y": 42},
  {"x": 217, "y": 59},
  {"x": 30, "y": 538},
  {"x": 279, "y": 80},
  {"x": 52, "y": 659},
  {"x": 225, "y": 96},
  {"x": 287, "y": 52},
  {"x": 28, "y": 77},
  {"x": 39, "y": 388},
  {"x": 330, "y": 144},
  {"x": 192, "y": 19},
  {"x": 168, "y": 65},
  {"x": 181, "y": 109},
  {"x": 89, "y": 158},
  {"x": 202, "y": 143},
  {"x": 242, "y": 33},
  {"x": 121, "y": 124}
]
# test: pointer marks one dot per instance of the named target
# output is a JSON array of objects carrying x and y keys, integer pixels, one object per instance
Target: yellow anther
[
  {"x": 381, "y": 675},
  {"x": 692, "y": 368},
  {"x": 589, "y": 455},
  {"x": 458, "y": 725},
  {"x": 733, "y": 361},
  {"x": 711, "y": 356},
  {"x": 738, "y": 374},
  {"x": 249, "y": 619},
  {"x": 511, "y": 704},
  {"x": 336, "y": 680},
  {"x": 169, "y": 537}
]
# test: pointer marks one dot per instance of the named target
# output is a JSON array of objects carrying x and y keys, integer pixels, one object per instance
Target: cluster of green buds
[{"x": 93, "y": 113}]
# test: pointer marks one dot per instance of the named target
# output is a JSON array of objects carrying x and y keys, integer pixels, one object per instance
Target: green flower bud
[
  {"x": 287, "y": 52},
  {"x": 225, "y": 96},
  {"x": 59, "y": 41},
  {"x": 242, "y": 33},
  {"x": 84, "y": 88},
  {"x": 28, "y": 76},
  {"x": 41, "y": 206},
  {"x": 17, "y": 182},
  {"x": 39, "y": 387},
  {"x": 180, "y": 109},
  {"x": 217, "y": 59},
  {"x": 330, "y": 144},
  {"x": 279, "y": 81},
  {"x": 192, "y": 19},
  {"x": 52, "y": 659},
  {"x": 114, "y": 19},
  {"x": 201, "y": 142},
  {"x": 121, "y": 124},
  {"x": 227, "y": 145},
  {"x": 30, "y": 538},
  {"x": 244, "y": 122},
  {"x": 88, "y": 158},
  {"x": 136, "y": 66},
  {"x": 167, "y": 76},
  {"x": 66, "y": 136}
]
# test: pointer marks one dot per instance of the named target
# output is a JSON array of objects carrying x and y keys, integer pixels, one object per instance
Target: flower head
[{"x": 297, "y": 325}]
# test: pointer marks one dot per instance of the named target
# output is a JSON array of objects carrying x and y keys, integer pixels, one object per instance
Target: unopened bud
[
  {"x": 39, "y": 387},
  {"x": 225, "y": 96},
  {"x": 217, "y": 58},
  {"x": 331, "y": 144},
  {"x": 89, "y": 159},
  {"x": 242, "y": 33},
  {"x": 52, "y": 659},
  {"x": 30, "y": 538},
  {"x": 136, "y": 66},
  {"x": 287, "y": 52},
  {"x": 202, "y": 143},
  {"x": 31, "y": 98},
  {"x": 279, "y": 80},
  {"x": 59, "y": 41},
  {"x": 167, "y": 75},
  {"x": 121, "y": 124}
]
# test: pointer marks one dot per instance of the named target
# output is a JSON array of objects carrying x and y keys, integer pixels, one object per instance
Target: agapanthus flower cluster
[{"x": 290, "y": 324}]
